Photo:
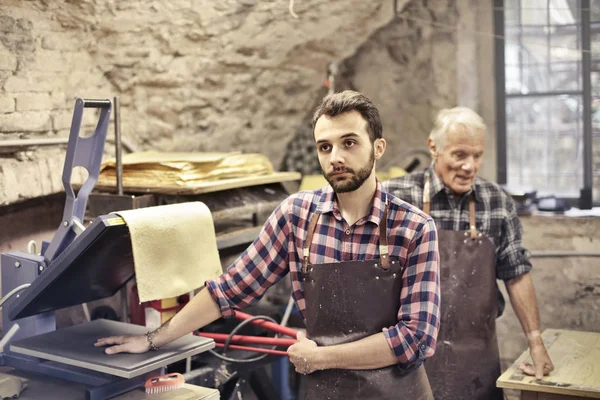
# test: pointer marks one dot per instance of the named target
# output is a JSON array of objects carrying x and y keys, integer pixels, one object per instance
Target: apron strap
[
  {"x": 309, "y": 237},
  {"x": 383, "y": 243},
  {"x": 472, "y": 226},
  {"x": 427, "y": 207},
  {"x": 426, "y": 198}
]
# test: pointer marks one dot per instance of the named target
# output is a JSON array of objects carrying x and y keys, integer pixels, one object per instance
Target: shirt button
[{"x": 347, "y": 231}]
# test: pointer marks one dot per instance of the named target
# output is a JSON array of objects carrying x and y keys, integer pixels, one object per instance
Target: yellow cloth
[
  {"x": 153, "y": 168},
  {"x": 174, "y": 248},
  {"x": 11, "y": 386}
]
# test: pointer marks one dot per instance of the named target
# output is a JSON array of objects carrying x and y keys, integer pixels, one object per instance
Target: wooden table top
[{"x": 576, "y": 358}]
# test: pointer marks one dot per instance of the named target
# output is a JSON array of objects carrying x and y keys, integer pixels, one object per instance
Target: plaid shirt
[
  {"x": 412, "y": 239},
  {"x": 495, "y": 216}
]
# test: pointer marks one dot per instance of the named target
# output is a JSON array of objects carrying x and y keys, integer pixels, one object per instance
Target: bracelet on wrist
[{"x": 149, "y": 338}]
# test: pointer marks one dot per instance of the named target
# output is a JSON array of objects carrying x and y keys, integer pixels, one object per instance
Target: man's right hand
[{"x": 124, "y": 344}]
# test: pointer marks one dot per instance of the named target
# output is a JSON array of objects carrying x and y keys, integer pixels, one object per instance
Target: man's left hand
[
  {"x": 542, "y": 365},
  {"x": 303, "y": 354}
]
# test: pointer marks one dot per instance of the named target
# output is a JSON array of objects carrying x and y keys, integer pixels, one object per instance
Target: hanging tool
[{"x": 291, "y": 9}]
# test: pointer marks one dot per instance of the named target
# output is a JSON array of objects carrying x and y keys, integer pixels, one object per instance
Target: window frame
[{"x": 584, "y": 201}]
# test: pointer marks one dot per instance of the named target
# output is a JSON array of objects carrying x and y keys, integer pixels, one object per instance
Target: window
[
  {"x": 545, "y": 97},
  {"x": 595, "y": 93}
]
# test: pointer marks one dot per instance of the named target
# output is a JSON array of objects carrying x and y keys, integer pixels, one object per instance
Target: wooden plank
[
  {"x": 233, "y": 198},
  {"x": 576, "y": 357},
  {"x": 207, "y": 186},
  {"x": 248, "y": 209},
  {"x": 238, "y": 237}
]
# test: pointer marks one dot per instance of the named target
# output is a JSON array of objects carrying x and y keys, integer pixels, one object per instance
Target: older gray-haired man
[{"x": 479, "y": 242}]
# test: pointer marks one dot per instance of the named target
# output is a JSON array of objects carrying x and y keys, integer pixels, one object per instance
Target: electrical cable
[
  {"x": 233, "y": 332},
  {"x": 12, "y": 292}
]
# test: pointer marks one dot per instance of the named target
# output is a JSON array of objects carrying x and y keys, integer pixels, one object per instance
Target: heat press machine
[{"x": 80, "y": 264}]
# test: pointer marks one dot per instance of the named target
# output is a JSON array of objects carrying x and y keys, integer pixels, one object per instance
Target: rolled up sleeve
[
  {"x": 259, "y": 267},
  {"x": 512, "y": 259},
  {"x": 413, "y": 338}
]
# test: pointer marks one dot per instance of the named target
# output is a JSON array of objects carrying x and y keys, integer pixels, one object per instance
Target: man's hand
[
  {"x": 542, "y": 365},
  {"x": 124, "y": 344},
  {"x": 303, "y": 354}
]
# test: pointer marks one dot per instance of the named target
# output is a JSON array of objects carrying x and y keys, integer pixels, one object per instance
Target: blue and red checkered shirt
[
  {"x": 412, "y": 239},
  {"x": 495, "y": 217}
]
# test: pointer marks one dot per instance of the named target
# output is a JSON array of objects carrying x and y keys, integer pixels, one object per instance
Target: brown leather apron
[
  {"x": 466, "y": 362},
  {"x": 345, "y": 302}
]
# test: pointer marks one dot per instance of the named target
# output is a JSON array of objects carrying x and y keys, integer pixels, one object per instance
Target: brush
[{"x": 164, "y": 383}]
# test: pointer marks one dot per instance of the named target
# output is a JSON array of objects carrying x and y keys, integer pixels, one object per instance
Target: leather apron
[
  {"x": 345, "y": 302},
  {"x": 466, "y": 363}
]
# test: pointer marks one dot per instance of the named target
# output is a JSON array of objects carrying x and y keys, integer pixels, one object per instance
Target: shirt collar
[
  {"x": 436, "y": 185},
  {"x": 328, "y": 204}
]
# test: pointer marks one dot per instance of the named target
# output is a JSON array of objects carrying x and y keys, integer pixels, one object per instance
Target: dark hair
[{"x": 346, "y": 101}]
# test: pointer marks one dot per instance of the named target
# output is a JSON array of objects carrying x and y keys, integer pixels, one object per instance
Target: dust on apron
[
  {"x": 466, "y": 362},
  {"x": 345, "y": 302}
]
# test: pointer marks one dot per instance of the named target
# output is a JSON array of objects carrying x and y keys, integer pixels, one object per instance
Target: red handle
[
  {"x": 268, "y": 325},
  {"x": 269, "y": 341},
  {"x": 254, "y": 349}
]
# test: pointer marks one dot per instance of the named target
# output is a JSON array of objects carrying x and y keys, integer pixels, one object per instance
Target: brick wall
[{"x": 44, "y": 66}]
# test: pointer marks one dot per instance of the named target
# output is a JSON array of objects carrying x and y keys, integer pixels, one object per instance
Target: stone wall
[
  {"x": 230, "y": 75},
  {"x": 433, "y": 55},
  {"x": 200, "y": 76},
  {"x": 409, "y": 68},
  {"x": 44, "y": 65}
]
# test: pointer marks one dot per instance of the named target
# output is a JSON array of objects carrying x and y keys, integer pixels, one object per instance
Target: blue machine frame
[{"x": 61, "y": 268}]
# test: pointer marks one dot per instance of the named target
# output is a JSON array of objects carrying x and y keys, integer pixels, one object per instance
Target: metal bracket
[{"x": 83, "y": 152}]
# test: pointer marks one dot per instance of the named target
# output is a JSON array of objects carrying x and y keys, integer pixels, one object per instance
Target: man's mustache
[{"x": 340, "y": 169}]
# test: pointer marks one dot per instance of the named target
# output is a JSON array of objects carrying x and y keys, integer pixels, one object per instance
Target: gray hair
[{"x": 454, "y": 119}]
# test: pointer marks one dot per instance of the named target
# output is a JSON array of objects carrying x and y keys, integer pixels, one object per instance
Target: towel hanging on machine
[{"x": 174, "y": 248}]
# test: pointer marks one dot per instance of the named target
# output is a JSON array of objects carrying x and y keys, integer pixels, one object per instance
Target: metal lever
[
  {"x": 83, "y": 152},
  {"x": 87, "y": 103}
]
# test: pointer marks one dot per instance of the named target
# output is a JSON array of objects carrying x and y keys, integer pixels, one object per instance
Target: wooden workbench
[
  {"x": 576, "y": 358},
  {"x": 202, "y": 187}
]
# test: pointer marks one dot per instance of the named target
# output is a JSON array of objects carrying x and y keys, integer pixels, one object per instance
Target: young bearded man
[{"x": 363, "y": 264}]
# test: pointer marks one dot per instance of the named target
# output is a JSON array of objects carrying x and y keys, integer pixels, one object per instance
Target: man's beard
[{"x": 356, "y": 178}]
